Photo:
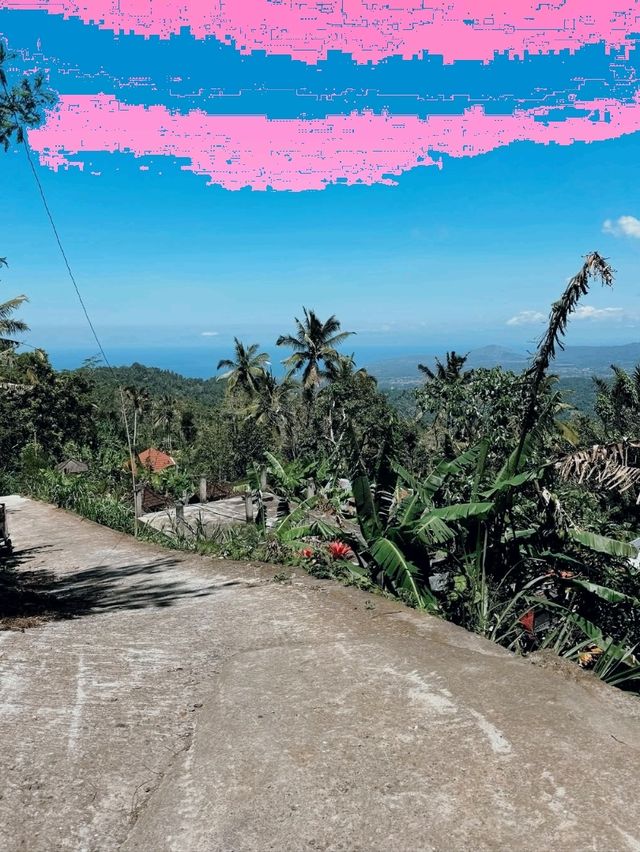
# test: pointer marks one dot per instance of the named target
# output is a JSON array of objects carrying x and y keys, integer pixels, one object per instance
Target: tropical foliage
[
  {"x": 20, "y": 105},
  {"x": 10, "y": 326},
  {"x": 489, "y": 501},
  {"x": 315, "y": 355}
]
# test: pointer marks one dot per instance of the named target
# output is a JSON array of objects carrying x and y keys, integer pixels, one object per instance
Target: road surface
[{"x": 188, "y": 704}]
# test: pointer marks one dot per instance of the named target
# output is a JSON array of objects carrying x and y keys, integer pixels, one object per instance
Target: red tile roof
[{"x": 155, "y": 460}]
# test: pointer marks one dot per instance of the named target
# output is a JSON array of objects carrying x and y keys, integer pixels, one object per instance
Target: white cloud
[
  {"x": 589, "y": 312},
  {"x": 209, "y": 333},
  {"x": 625, "y": 226},
  {"x": 582, "y": 312},
  {"x": 527, "y": 318}
]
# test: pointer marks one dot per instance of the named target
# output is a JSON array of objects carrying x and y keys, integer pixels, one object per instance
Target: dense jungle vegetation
[
  {"x": 488, "y": 500},
  {"x": 492, "y": 503}
]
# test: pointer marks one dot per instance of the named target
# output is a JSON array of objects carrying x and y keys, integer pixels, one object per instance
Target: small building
[
  {"x": 155, "y": 460},
  {"x": 72, "y": 466},
  {"x": 215, "y": 491},
  {"x": 152, "y": 501}
]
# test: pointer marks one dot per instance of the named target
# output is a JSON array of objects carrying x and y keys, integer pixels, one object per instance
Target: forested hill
[
  {"x": 578, "y": 390},
  {"x": 159, "y": 383}
]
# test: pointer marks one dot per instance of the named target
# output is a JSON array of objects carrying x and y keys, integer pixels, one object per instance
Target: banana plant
[
  {"x": 387, "y": 548},
  {"x": 402, "y": 527}
]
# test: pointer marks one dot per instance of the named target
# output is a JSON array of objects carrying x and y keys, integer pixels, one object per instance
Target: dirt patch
[
  {"x": 550, "y": 660},
  {"x": 24, "y": 622}
]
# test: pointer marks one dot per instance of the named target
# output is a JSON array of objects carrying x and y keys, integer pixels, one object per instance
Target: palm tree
[
  {"x": 345, "y": 370},
  {"x": 188, "y": 426},
  {"x": 166, "y": 411},
  {"x": 21, "y": 105},
  {"x": 247, "y": 369},
  {"x": 449, "y": 371},
  {"x": 8, "y": 325},
  {"x": 314, "y": 349},
  {"x": 270, "y": 403},
  {"x": 618, "y": 402},
  {"x": 139, "y": 399}
]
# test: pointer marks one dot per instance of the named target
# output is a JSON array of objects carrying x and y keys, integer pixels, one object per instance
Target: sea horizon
[
  {"x": 393, "y": 360},
  {"x": 200, "y": 362}
]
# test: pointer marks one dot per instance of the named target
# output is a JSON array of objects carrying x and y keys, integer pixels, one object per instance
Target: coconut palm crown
[
  {"x": 314, "y": 348},
  {"x": 247, "y": 369},
  {"x": 9, "y": 326}
]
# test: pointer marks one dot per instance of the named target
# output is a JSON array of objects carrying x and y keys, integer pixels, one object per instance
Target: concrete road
[{"x": 180, "y": 703}]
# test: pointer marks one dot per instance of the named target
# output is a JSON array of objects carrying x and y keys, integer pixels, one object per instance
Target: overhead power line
[{"x": 81, "y": 301}]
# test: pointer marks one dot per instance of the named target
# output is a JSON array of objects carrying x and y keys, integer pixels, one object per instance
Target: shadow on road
[{"x": 30, "y": 596}]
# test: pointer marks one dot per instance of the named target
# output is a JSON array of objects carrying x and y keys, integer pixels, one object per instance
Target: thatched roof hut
[{"x": 72, "y": 466}]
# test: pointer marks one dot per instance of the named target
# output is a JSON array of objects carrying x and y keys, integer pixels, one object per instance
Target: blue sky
[{"x": 449, "y": 257}]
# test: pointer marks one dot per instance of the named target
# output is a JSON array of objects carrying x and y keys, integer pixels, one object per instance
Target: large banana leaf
[
  {"x": 511, "y": 482},
  {"x": 423, "y": 491},
  {"x": 432, "y": 527},
  {"x": 516, "y": 460},
  {"x": 431, "y": 485},
  {"x": 409, "y": 510},
  {"x": 400, "y": 571},
  {"x": 408, "y": 478},
  {"x": 386, "y": 482},
  {"x": 483, "y": 452},
  {"x": 294, "y": 535},
  {"x": 568, "y": 432},
  {"x": 461, "y": 511},
  {"x": 604, "y": 592},
  {"x": 276, "y": 465},
  {"x": 601, "y": 544},
  {"x": 460, "y": 464},
  {"x": 314, "y": 529},
  {"x": 433, "y": 530},
  {"x": 322, "y": 529},
  {"x": 519, "y": 535},
  {"x": 365, "y": 507},
  {"x": 296, "y": 517}
]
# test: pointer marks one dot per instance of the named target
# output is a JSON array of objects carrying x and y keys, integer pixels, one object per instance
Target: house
[
  {"x": 155, "y": 460},
  {"x": 72, "y": 466}
]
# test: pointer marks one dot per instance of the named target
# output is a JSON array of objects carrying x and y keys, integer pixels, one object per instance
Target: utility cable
[{"x": 72, "y": 277}]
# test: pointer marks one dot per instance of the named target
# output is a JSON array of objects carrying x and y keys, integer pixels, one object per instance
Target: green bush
[{"x": 82, "y": 496}]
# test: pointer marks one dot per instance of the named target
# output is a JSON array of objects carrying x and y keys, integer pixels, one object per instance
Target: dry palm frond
[
  {"x": 588, "y": 657},
  {"x": 595, "y": 266},
  {"x": 608, "y": 467},
  {"x": 554, "y": 508}
]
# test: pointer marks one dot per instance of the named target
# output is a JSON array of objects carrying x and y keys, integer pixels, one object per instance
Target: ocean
[{"x": 200, "y": 361}]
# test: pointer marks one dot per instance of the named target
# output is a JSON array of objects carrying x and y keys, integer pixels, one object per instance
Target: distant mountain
[
  {"x": 575, "y": 361},
  {"x": 597, "y": 360}
]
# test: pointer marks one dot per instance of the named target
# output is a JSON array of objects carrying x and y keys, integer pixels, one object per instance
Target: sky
[{"x": 431, "y": 176}]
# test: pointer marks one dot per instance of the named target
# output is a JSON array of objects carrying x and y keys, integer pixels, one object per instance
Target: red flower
[
  {"x": 528, "y": 620},
  {"x": 339, "y": 550},
  {"x": 306, "y": 553}
]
